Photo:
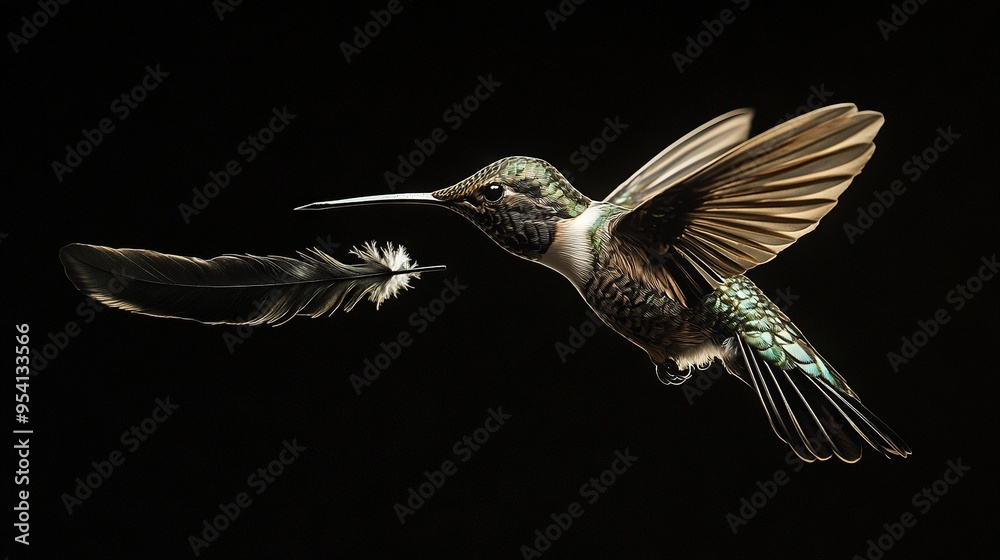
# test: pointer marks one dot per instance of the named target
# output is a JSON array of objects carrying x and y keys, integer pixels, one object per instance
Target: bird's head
[{"x": 517, "y": 201}]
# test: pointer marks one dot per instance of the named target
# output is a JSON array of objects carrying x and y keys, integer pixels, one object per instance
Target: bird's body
[
  {"x": 632, "y": 303},
  {"x": 609, "y": 274}
]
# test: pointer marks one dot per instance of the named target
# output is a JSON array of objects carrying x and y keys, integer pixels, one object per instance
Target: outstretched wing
[
  {"x": 236, "y": 289},
  {"x": 684, "y": 157},
  {"x": 745, "y": 206}
]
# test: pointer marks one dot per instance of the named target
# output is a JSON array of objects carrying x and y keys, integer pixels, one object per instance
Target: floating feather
[{"x": 238, "y": 289}]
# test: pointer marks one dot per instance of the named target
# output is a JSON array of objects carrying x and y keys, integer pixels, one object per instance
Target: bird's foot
[{"x": 669, "y": 374}]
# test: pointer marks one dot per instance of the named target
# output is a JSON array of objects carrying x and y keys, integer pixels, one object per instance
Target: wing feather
[
  {"x": 749, "y": 203},
  {"x": 684, "y": 157}
]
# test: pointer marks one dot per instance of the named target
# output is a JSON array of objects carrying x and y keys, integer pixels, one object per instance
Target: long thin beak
[{"x": 407, "y": 198}]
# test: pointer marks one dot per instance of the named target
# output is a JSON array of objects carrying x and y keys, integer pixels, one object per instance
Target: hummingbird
[{"x": 661, "y": 260}]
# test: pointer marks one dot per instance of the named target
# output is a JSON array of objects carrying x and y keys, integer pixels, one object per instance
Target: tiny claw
[{"x": 669, "y": 374}]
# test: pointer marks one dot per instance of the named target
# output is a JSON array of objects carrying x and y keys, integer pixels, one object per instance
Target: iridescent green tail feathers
[{"x": 808, "y": 403}]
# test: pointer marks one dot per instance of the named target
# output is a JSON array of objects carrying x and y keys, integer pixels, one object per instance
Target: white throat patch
[{"x": 571, "y": 253}]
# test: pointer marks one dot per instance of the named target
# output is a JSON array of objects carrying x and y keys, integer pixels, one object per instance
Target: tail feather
[
  {"x": 816, "y": 419},
  {"x": 873, "y": 430},
  {"x": 808, "y": 403}
]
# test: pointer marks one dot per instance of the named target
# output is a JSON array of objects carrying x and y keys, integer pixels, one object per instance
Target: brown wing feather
[
  {"x": 744, "y": 207},
  {"x": 683, "y": 157}
]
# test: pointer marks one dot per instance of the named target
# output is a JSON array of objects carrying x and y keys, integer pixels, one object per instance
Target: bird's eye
[{"x": 492, "y": 192}]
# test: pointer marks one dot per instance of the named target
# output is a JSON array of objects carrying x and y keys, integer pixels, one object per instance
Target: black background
[{"x": 495, "y": 345}]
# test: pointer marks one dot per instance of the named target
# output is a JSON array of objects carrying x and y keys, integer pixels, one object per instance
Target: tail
[{"x": 808, "y": 403}]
